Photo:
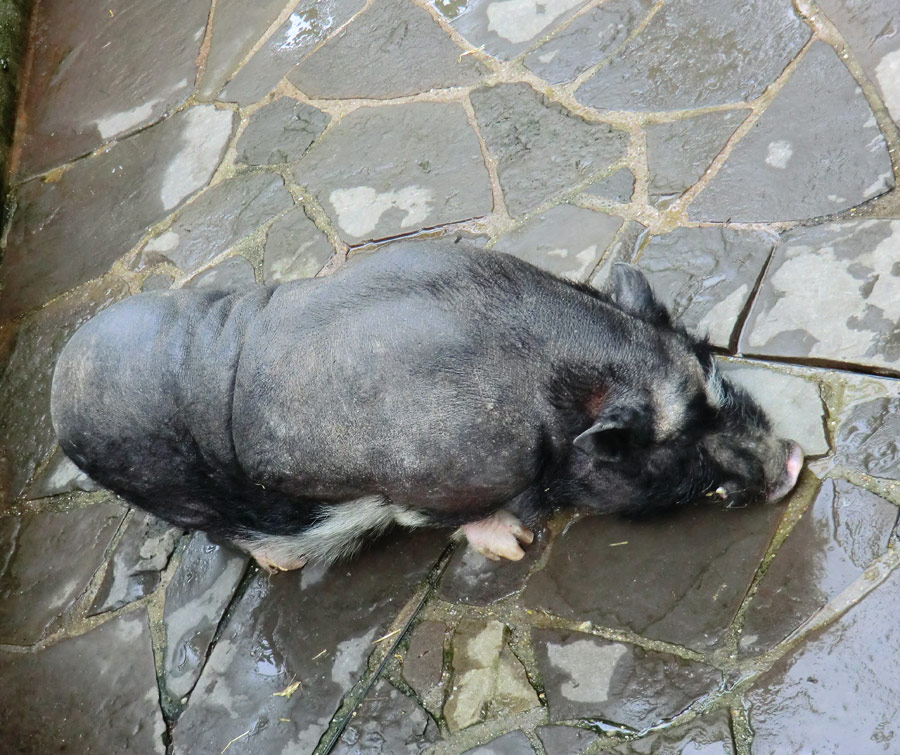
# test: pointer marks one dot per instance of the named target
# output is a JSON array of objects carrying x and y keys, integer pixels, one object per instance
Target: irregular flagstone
[
  {"x": 505, "y": 28},
  {"x": 618, "y": 187},
  {"x": 393, "y": 49},
  {"x": 387, "y": 722},
  {"x": 707, "y": 275},
  {"x": 315, "y": 626},
  {"x": 135, "y": 567},
  {"x": 196, "y": 598},
  {"x": 311, "y": 22},
  {"x": 588, "y": 40},
  {"x": 587, "y": 677},
  {"x": 541, "y": 148},
  {"x": 60, "y": 475},
  {"x": 831, "y": 292},
  {"x": 295, "y": 248},
  {"x": 678, "y": 578},
  {"x": 513, "y": 743},
  {"x": 839, "y": 692},
  {"x": 26, "y": 434},
  {"x": 844, "y": 530},
  {"x": 679, "y": 152},
  {"x": 234, "y": 272},
  {"x": 724, "y": 55},
  {"x": 391, "y": 170},
  {"x": 104, "y": 204},
  {"x": 868, "y": 438},
  {"x": 48, "y": 561},
  {"x": 280, "y": 132},
  {"x": 793, "y": 404},
  {"x": 565, "y": 740},
  {"x": 707, "y": 735},
  {"x": 565, "y": 240},
  {"x": 93, "y": 693},
  {"x": 816, "y": 150},
  {"x": 236, "y": 27},
  {"x": 103, "y": 72},
  {"x": 158, "y": 282},
  {"x": 489, "y": 682},
  {"x": 423, "y": 664},
  {"x": 623, "y": 249},
  {"x": 218, "y": 219}
]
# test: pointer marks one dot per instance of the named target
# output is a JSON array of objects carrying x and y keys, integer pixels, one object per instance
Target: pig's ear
[
  {"x": 633, "y": 294},
  {"x": 617, "y": 429}
]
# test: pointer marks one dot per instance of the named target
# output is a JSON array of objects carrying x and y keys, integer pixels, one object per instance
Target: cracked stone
[
  {"x": 280, "y": 132},
  {"x": 725, "y": 55},
  {"x": 423, "y": 664},
  {"x": 541, "y": 148},
  {"x": 679, "y": 152},
  {"x": 619, "y": 187},
  {"x": 868, "y": 438},
  {"x": 505, "y": 29},
  {"x": 218, "y": 219},
  {"x": 311, "y": 22},
  {"x": 392, "y": 50},
  {"x": 707, "y": 275},
  {"x": 679, "y": 578},
  {"x": 59, "y": 476},
  {"x": 384, "y": 171},
  {"x": 816, "y": 150},
  {"x": 707, "y": 735},
  {"x": 587, "y": 677},
  {"x": 295, "y": 248},
  {"x": 831, "y": 292},
  {"x": 26, "y": 434},
  {"x": 838, "y": 690},
  {"x": 196, "y": 598},
  {"x": 104, "y": 72},
  {"x": 623, "y": 249},
  {"x": 565, "y": 240},
  {"x": 49, "y": 560},
  {"x": 565, "y": 740},
  {"x": 105, "y": 204},
  {"x": 316, "y": 626},
  {"x": 513, "y": 743},
  {"x": 844, "y": 530},
  {"x": 135, "y": 568},
  {"x": 387, "y": 722},
  {"x": 92, "y": 693},
  {"x": 234, "y": 272},
  {"x": 587, "y": 41},
  {"x": 488, "y": 682}
]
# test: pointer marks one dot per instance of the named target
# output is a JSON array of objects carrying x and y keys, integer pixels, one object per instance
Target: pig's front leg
[{"x": 498, "y": 536}]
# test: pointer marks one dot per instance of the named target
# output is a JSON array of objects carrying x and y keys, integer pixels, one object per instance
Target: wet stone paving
[{"x": 741, "y": 154}]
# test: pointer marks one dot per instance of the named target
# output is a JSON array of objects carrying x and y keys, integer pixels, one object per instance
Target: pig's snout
[{"x": 791, "y": 472}]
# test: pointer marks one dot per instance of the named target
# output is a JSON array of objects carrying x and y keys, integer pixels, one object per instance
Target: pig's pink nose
[{"x": 792, "y": 468}]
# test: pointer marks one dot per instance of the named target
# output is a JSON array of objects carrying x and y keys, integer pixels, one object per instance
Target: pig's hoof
[
  {"x": 498, "y": 536},
  {"x": 274, "y": 562}
]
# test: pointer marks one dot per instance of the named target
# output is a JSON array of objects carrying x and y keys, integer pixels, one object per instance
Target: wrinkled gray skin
[{"x": 427, "y": 384}]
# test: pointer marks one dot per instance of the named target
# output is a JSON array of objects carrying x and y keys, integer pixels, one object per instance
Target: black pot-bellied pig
[{"x": 428, "y": 384}]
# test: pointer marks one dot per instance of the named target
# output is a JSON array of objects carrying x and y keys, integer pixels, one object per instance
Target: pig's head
[{"x": 686, "y": 435}]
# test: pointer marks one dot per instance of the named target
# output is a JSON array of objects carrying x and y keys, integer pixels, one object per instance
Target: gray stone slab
[
  {"x": 60, "y": 475},
  {"x": 158, "y": 282},
  {"x": 565, "y": 740},
  {"x": 385, "y": 171},
  {"x": 839, "y": 692},
  {"x": 624, "y": 249},
  {"x": 707, "y": 275},
  {"x": 26, "y": 433},
  {"x": 816, "y": 150},
  {"x": 565, "y": 240},
  {"x": 196, "y": 598},
  {"x": 93, "y": 693},
  {"x": 844, "y": 530},
  {"x": 280, "y": 132},
  {"x": 587, "y": 677},
  {"x": 295, "y": 248},
  {"x": 793, "y": 404},
  {"x": 541, "y": 148},
  {"x": 588, "y": 40},
  {"x": 678, "y": 578},
  {"x": 315, "y": 626},
  {"x": 619, "y": 187},
  {"x": 218, "y": 219},
  {"x": 387, "y": 722},
  {"x": 679, "y": 152},
  {"x": 104, "y": 204},
  {"x": 513, "y": 743},
  {"x": 423, "y": 663},
  {"x": 831, "y": 292},
  {"x": 721, "y": 59},
  {"x": 49, "y": 560},
  {"x": 105, "y": 71},
  {"x": 392, "y": 50},
  {"x": 868, "y": 438},
  {"x": 236, "y": 27},
  {"x": 137, "y": 563},
  {"x": 311, "y": 22},
  {"x": 707, "y": 735},
  {"x": 506, "y": 29},
  {"x": 233, "y": 272}
]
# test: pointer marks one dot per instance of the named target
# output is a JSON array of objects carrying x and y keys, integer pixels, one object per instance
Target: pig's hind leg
[{"x": 498, "y": 536}]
